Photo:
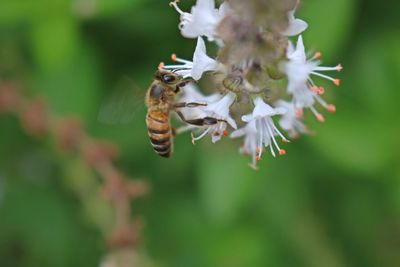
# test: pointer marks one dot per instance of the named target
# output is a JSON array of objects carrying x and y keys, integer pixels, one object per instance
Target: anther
[
  {"x": 161, "y": 65},
  {"x": 226, "y": 133},
  {"x": 285, "y": 140},
  {"x": 337, "y": 82},
  {"x": 173, "y": 3},
  {"x": 258, "y": 158},
  {"x": 173, "y": 57},
  {"x": 260, "y": 150},
  {"x": 339, "y": 67},
  {"x": 282, "y": 152},
  {"x": 320, "y": 117},
  {"x": 317, "y": 55},
  {"x": 331, "y": 108},
  {"x": 321, "y": 90},
  {"x": 193, "y": 138}
]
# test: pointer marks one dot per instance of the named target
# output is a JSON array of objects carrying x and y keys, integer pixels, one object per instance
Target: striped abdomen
[{"x": 159, "y": 131}]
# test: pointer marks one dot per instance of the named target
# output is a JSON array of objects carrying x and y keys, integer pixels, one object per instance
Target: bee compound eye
[{"x": 168, "y": 78}]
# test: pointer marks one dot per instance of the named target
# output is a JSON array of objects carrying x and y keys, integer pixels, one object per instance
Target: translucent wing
[{"x": 121, "y": 105}]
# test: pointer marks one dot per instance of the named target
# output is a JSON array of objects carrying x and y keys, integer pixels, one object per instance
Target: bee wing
[{"x": 121, "y": 105}]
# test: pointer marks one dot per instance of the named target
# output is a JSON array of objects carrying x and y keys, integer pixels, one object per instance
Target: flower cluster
[{"x": 254, "y": 52}]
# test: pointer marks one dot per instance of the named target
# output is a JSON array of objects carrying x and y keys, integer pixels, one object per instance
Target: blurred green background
[{"x": 333, "y": 201}]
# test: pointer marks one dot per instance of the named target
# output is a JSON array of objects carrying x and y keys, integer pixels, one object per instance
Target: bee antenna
[{"x": 179, "y": 69}]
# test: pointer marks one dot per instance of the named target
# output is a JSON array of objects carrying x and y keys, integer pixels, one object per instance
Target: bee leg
[
  {"x": 182, "y": 84},
  {"x": 206, "y": 121},
  {"x": 189, "y": 105}
]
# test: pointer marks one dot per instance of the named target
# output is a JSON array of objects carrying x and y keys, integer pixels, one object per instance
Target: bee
[{"x": 160, "y": 101}]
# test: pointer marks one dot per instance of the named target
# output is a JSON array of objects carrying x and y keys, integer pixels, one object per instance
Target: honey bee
[{"x": 160, "y": 101}]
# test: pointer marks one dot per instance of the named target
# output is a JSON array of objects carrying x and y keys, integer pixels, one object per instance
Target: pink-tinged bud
[
  {"x": 69, "y": 134},
  {"x": 126, "y": 235},
  {"x": 35, "y": 118},
  {"x": 97, "y": 153},
  {"x": 10, "y": 97}
]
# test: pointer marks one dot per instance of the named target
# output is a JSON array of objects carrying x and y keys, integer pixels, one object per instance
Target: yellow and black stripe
[{"x": 159, "y": 131}]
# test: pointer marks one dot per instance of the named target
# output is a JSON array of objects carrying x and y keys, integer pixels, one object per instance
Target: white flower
[
  {"x": 265, "y": 130},
  {"x": 195, "y": 69},
  {"x": 296, "y": 26},
  {"x": 299, "y": 69},
  {"x": 191, "y": 94},
  {"x": 303, "y": 97},
  {"x": 217, "y": 110},
  {"x": 202, "y": 21},
  {"x": 290, "y": 121}
]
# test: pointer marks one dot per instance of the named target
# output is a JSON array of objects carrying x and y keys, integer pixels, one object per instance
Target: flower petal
[{"x": 202, "y": 62}]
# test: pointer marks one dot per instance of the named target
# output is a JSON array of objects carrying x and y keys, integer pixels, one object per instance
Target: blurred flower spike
[{"x": 254, "y": 52}]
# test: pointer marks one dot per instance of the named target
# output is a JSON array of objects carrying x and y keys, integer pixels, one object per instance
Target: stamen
[
  {"x": 336, "y": 68},
  {"x": 175, "y": 67},
  {"x": 325, "y": 76},
  {"x": 279, "y": 132},
  {"x": 200, "y": 136},
  {"x": 318, "y": 115},
  {"x": 282, "y": 152},
  {"x": 181, "y": 60},
  {"x": 272, "y": 137},
  {"x": 174, "y": 4}
]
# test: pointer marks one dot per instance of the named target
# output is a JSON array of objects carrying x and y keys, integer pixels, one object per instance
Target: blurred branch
[{"x": 100, "y": 156}]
